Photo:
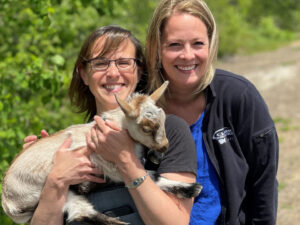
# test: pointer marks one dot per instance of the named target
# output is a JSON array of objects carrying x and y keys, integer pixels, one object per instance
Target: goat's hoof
[
  {"x": 198, "y": 189},
  {"x": 192, "y": 191}
]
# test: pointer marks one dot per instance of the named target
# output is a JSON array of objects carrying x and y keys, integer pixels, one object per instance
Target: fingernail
[{"x": 69, "y": 133}]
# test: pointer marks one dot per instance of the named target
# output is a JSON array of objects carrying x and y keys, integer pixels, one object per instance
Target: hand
[
  {"x": 29, "y": 140},
  {"x": 73, "y": 167},
  {"x": 110, "y": 141}
]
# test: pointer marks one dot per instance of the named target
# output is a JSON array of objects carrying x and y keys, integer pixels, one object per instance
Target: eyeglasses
[{"x": 102, "y": 64}]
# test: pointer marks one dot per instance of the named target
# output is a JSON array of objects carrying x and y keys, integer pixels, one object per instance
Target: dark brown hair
[{"x": 80, "y": 95}]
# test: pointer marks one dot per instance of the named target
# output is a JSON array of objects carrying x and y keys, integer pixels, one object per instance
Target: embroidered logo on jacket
[{"x": 223, "y": 135}]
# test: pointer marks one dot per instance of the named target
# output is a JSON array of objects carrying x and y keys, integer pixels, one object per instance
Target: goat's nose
[
  {"x": 164, "y": 146},
  {"x": 163, "y": 149}
]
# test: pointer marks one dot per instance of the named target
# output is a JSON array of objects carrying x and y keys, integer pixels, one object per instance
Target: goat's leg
[
  {"x": 18, "y": 202},
  {"x": 78, "y": 208},
  {"x": 177, "y": 188}
]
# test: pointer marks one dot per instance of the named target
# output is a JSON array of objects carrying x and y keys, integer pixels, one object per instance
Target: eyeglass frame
[{"x": 109, "y": 63}]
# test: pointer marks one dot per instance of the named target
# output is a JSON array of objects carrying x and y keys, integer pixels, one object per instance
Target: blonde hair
[{"x": 162, "y": 13}]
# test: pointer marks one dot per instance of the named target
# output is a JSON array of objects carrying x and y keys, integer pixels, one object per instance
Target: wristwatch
[{"x": 137, "y": 182}]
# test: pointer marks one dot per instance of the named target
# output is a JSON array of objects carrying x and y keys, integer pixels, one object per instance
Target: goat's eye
[{"x": 147, "y": 129}]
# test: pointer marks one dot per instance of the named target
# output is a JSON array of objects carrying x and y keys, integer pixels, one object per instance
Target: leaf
[
  {"x": 58, "y": 60},
  {"x": 46, "y": 21}
]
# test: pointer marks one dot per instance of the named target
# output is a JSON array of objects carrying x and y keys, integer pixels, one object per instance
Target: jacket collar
[{"x": 210, "y": 91}]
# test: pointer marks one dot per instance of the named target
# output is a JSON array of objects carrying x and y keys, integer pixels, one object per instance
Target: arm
[
  {"x": 70, "y": 167},
  {"x": 258, "y": 134},
  {"x": 153, "y": 204},
  {"x": 264, "y": 187}
]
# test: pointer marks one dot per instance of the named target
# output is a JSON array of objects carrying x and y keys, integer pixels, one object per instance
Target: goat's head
[{"x": 146, "y": 122}]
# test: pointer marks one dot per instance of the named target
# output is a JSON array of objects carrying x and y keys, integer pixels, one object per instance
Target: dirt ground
[{"x": 276, "y": 74}]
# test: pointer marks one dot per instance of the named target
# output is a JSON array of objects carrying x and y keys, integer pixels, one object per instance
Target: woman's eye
[
  {"x": 199, "y": 43},
  {"x": 124, "y": 62},
  {"x": 174, "y": 44},
  {"x": 100, "y": 63}
]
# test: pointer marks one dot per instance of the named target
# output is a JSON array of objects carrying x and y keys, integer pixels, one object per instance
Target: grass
[
  {"x": 281, "y": 186},
  {"x": 284, "y": 124}
]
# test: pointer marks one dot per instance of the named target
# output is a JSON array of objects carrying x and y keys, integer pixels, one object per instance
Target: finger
[
  {"x": 44, "y": 133},
  {"x": 83, "y": 151},
  {"x": 27, "y": 144},
  {"x": 113, "y": 125},
  {"x": 67, "y": 143},
  {"x": 87, "y": 151},
  {"x": 90, "y": 143},
  {"x": 99, "y": 135},
  {"x": 94, "y": 136},
  {"x": 96, "y": 171},
  {"x": 30, "y": 138},
  {"x": 88, "y": 138},
  {"x": 95, "y": 179},
  {"x": 101, "y": 124}
]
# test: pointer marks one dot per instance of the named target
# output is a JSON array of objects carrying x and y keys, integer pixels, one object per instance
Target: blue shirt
[{"x": 207, "y": 206}]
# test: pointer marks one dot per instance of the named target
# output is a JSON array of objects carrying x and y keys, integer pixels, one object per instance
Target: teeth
[
  {"x": 112, "y": 87},
  {"x": 186, "y": 67}
]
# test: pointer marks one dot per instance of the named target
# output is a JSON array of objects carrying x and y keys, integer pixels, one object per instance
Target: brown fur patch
[
  {"x": 152, "y": 125},
  {"x": 137, "y": 102}
]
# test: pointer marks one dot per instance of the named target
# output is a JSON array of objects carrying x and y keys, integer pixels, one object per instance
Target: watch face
[{"x": 137, "y": 182}]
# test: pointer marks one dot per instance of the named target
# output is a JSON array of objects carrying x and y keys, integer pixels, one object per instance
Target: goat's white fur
[{"x": 27, "y": 174}]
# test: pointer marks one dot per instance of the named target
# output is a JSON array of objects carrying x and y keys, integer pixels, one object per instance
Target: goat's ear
[
  {"x": 159, "y": 92},
  {"x": 126, "y": 108}
]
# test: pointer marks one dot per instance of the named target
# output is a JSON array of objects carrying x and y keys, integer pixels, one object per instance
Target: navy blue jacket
[{"x": 242, "y": 144}]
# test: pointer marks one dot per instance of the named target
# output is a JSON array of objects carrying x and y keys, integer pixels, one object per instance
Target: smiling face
[
  {"x": 104, "y": 84},
  {"x": 185, "y": 50}
]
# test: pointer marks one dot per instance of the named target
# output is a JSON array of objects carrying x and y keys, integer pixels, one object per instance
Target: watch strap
[{"x": 137, "y": 182}]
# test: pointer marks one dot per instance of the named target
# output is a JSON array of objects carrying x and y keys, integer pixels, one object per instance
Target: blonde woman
[{"x": 236, "y": 140}]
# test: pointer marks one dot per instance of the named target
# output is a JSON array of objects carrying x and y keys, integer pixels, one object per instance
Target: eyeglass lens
[{"x": 122, "y": 63}]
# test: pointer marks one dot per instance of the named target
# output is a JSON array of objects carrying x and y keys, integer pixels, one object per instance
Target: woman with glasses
[{"x": 111, "y": 62}]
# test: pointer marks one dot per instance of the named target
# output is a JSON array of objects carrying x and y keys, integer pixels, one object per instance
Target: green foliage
[
  {"x": 40, "y": 40},
  {"x": 248, "y": 26},
  {"x": 284, "y": 124}
]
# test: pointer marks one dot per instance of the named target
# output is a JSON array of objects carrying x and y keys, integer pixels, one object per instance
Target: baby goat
[{"x": 25, "y": 178}]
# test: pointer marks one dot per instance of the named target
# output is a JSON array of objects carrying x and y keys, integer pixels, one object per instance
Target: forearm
[
  {"x": 154, "y": 205},
  {"x": 264, "y": 184},
  {"x": 50, "y": 207},
  {"x": 157, "y": 207}
]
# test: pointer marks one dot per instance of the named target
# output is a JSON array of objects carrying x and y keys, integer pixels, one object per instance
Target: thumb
[
  {"x": 67, "y": 143},
  {"x": 113, "y": 125}
]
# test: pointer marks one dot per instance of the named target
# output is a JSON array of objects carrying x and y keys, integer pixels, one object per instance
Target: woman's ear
[{"x": 84, "y": 76}]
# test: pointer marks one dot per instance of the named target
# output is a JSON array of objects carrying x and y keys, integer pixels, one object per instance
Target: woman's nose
[
  {"x": 112, "y": 69},
  {"x": 187, "y": 53}
]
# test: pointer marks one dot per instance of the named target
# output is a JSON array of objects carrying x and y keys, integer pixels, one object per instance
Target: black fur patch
[
  {"x": 87, "y": 187},
  {"x": 100, "y": 219},
  {"x": 185, "y": 192}
]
